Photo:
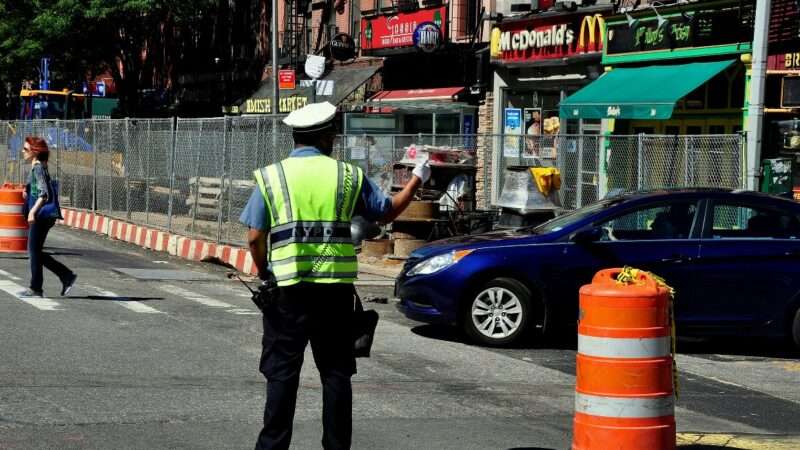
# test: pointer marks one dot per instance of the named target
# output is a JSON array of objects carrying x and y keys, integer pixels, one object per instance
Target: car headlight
[{"x": 437, "y": 263}]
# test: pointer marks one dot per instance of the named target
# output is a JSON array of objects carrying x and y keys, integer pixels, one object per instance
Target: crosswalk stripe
[
  {"x": 43, "y": 303},
  {"x": 206, "y": 301},
  {"x": 9, "y": 275},
  {"x": 134, "y": 306}
]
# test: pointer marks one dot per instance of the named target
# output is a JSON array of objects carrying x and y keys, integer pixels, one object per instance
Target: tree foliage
[{"x": 145, "y": 44}]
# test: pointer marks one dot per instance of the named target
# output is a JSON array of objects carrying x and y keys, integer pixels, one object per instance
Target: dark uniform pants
[{"x": 322, "y": 314}]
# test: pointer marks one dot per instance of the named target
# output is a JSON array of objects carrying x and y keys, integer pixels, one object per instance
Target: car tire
[
  {"x": 498, "y": 313},
  {"x": 796, "y": 330}
]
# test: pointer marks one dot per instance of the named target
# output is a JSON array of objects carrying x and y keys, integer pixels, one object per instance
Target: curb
[{"x": 158, "y": 240}]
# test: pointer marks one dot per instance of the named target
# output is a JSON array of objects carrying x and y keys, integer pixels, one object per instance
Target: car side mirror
[{"x": 588, "y": 236}]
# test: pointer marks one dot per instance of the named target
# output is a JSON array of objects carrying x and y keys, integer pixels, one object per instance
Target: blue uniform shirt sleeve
[
  {"x": 373, "y": 204},
  {"x": 255, "y": 213}
]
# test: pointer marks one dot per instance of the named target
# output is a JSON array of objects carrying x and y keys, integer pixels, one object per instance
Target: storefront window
[
  {"x": 448, "y": 124},
  {"x": 370, "y": 123},
  {"x": 418, "y": 123}
]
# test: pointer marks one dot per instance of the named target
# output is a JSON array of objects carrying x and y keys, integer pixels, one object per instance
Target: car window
[
  {"x": 733, "y": 221},
  {"x": 670, "y": 221},
  {"x": 575, "y": 216}
]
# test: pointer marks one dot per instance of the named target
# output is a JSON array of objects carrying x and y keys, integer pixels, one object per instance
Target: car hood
[{"x": 475, "y": 241}]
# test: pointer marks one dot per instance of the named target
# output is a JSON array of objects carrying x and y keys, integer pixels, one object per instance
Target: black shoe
[
  {"x": 31, "y": 293},
  {"x": 67, "y": 285}
]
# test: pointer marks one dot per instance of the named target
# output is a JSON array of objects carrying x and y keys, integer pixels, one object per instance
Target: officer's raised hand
[{"x": 422, "y": 171}]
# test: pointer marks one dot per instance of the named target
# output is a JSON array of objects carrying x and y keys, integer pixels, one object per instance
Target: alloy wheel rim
[{"x": 496, "y": 313}]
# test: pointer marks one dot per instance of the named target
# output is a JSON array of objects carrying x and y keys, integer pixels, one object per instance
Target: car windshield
[{"x": 575, "y": 216}]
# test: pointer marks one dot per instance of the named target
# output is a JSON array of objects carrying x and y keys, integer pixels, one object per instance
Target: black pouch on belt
[{"x": 364, "y": 324}]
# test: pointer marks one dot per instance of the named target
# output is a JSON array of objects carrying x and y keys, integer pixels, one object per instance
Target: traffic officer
[{"x": 304, "y": 204}]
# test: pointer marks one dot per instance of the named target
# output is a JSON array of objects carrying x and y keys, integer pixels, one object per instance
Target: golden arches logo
[
  {"x": 494, "y": 43},
  {"x": 597, "y": 29}
]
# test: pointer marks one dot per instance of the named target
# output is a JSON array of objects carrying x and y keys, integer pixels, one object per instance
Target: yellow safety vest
[{"x": 311, "y": 201}]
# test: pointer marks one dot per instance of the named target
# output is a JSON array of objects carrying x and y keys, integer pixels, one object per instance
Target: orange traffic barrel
[
  {"x": 624, "y": 391},
  {"x": 13, "y": 224}
]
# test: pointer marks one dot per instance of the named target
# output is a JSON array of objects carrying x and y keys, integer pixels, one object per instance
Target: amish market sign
[{"x": 264, "y": 105}]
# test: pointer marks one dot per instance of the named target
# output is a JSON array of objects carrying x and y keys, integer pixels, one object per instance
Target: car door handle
[
  {"x": 792, "y": 253},
  {"x": 676, "y": 259}
]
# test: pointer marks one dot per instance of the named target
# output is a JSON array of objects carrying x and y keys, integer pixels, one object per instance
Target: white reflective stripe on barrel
[
  {"x": 10, "y": 209},
  {"x": 604, "y": 347},
  {"x": 624, "y": 407},
  {"x": 13, "y": 232}
]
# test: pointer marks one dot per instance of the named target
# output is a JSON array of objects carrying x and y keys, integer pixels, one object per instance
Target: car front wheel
[
  {"x": 498, "y": 313},
  {"x": 796, "y": 329}
]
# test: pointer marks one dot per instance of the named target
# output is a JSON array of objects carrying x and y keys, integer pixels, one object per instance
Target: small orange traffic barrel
[
  {"x": 13, "y": 224},
  {"x": 624, "y": 392}
]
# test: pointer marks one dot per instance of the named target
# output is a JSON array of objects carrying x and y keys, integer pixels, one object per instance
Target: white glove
[{"x": 422, "y": 171}]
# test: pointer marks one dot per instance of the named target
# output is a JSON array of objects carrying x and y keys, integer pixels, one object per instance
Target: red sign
[
  {"x": 397, "y": 31},
  {"x": 784, "y": 61},
  {"x": 287, "y": 80},
  {"x": 546, "y": 39}
]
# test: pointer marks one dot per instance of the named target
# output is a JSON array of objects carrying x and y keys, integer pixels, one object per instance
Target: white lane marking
[
  {"x": 9, "y": 275},
  {"x": 43, "y": 303},
  {"x": 134, "y": 306},
  {"x": 207, "y": 301},
  {"x": 202, "y": 299}
]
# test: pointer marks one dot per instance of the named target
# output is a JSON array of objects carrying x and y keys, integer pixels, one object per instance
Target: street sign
[{"x": 287, "y": 80}]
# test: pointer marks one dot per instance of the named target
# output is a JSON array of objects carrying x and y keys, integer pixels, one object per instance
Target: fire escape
[{"x": 295, "y": 38}]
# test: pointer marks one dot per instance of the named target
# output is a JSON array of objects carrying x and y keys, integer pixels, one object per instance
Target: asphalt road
[{"x": 126, "y": 362}]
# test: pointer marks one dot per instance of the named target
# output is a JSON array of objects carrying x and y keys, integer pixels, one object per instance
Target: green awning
[{"x": 639, "y": 93}]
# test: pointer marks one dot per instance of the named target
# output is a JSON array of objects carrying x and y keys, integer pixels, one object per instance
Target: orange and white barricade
[{"x": 624, "y": 397}]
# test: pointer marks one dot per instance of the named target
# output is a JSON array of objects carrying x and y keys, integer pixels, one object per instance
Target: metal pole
[
  {"x": 639, "y": 153},
  {"x": 314, "y": 90},
  {"x": 94, "y": 166},
  {"x": 196, "y": 204},
  {"x": 126, "y": 164},
  {"x": 147, "y": 175},
  {"x": 172, "y": 173},
  {"x": 112, "y": 125},
  {"x": 757, "y": 83},
  {"x": 275, "y": 91},
  {"x": 222, "y": 178},
  {"x": 686, "y": 161},
  {"x": 578, "y": 189}
]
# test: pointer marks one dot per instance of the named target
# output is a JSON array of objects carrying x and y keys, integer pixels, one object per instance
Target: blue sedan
[{"x": 733, "y": 258}]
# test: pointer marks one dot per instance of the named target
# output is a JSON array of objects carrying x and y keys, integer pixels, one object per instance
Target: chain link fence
[{"x": 194, "y": 176}]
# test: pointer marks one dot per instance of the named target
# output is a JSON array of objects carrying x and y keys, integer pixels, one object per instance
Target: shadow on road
[
  {"x": 117, "y": 299},
  {"x": 558, "y": 340},
  {"x": 742, "y": 348}
]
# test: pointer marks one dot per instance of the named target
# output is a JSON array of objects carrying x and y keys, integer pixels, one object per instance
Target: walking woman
[{"x": 35, "y": 150}]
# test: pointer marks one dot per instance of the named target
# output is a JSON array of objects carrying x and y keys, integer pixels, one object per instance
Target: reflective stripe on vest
[{"x": 308, "y": 242}]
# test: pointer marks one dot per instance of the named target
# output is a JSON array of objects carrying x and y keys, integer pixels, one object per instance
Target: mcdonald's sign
[
  {"x": 547, "y": 38},
  {"x": 593, "y": 40}
]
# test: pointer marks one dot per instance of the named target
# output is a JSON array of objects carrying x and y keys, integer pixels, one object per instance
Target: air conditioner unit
[
  {"x": 522, "y": 6},
  {"x": 406, "y": 5},
  {"x": 572, "y": 5}
]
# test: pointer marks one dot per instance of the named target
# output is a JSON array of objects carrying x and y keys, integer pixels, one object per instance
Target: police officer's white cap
[{"x": 311, "y": 118}]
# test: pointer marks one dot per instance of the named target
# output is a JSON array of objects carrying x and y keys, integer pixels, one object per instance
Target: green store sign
[{"x": 682, "y": 31}]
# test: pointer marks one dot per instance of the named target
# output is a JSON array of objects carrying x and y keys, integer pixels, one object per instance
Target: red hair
[{"x": 37, "y": 144}]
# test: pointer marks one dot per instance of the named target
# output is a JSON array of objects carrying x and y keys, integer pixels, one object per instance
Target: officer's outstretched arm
[
  {"x": 257, "y": 240},
  {"x": 401, "y": 200}
]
